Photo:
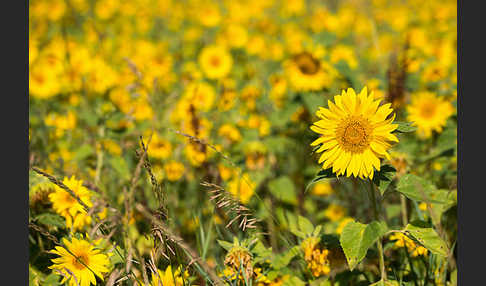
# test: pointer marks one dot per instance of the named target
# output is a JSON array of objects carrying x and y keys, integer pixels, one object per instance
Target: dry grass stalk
[
  {"x": 177, "y": 240},
  {"x": 61, "y": 185},
  {"x": 113, "y": 276},
  {"x": 44, "y": 232},
  {"x": 232, "y": 206}
]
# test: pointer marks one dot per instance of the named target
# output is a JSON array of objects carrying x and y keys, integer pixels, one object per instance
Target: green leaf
[
  {"x": 115, "y": 258},
  {"x": 404, "y": 127},
  {"x": 454, "y": 278},
  {"x": 293, "y": 225},
  {"x": 323, "y": 281},
  {"x": 419, "y": 189},
  {"x": 384, "y": 177},
  {"x": 282, "y": 260},
  {"x": 51, "y": 219},
  {"x": 427, "y": 237},
  {"x": 312, "y": 101},
  {"x": 35, "y": 276},
  {"x": 262, "y": 253},
  {"x": 51, "y": 280},
  {"x": 226, "y": 245},
  {"x": 305, "y": 225},
  {"x": 450, "y": 199},
  {"x": 446, "y": 141},
  {"x": 283, "y": 189},
  {"x": 83, "y": 152},
  {"x": 120, "y": 166},
  {"x": 293, "y": 281},
  {"x": 356, "y": 238}
]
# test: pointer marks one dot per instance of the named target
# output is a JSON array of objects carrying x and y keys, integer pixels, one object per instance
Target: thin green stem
[
  {"x": 378, "y": 242},
  {"x": 403, "y": 203}
]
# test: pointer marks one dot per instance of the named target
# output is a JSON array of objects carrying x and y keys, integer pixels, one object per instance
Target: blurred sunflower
[
  {"x": 159, "y": 147},
  {"x": 242, "y": 187},
  {"x": 306, "y": 72},
  {"x": 355, "y": 133},
  {"x": 215, "y": 61},
  {"x": 429, "y": 113}
]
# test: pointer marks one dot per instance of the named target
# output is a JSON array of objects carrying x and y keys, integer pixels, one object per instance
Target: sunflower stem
[{"x": 378, "y": 242}]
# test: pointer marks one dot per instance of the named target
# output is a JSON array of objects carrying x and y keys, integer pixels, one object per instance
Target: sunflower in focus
[
  {"x": 80, "y": 260},
  {"x": 306, "y": 72},
  {"x": 355, "y": 133},
  {"x": 215, "y": 61},
  {"x": 429, "y": 113}
]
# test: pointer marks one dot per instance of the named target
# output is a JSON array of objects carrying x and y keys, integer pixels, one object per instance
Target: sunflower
[
  {"x": 159, "y": 147},
  {"x": 174, "y": 170},
  {"x": 307, "y": 72},
  {"x": 429, "y": 113},
  {"x": 65, "y": 204},
  {"x": 355, "y": 133},
  {"x": 80, "y": 260},
  {"x": 215, "y": 61},
  {"x": 242, "y": 188}
]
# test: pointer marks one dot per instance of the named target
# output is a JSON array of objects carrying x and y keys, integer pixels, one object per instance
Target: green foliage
[
  {"x": 419, "y": 189},
  {"x": 404, "y": 127},
  {"x": 51, "y": 219},
  {"x": 283, "y": 189},
  {"x": 384, "y": 177},
  {"x": 283, "y": 259},
  {"x": 321, "y": 175},
  {"x": 357, "y": 238},
  {"x": 427, "y": 237}
]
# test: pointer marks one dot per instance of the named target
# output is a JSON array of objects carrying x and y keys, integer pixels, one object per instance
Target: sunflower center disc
[
  {"x": 79, "y": 264},
  {"x": 428, "y": 110},
  {"x": 307, "y": 64},
  {"x": 215, "y": 61},
  {"x": 353, "y": 134}
]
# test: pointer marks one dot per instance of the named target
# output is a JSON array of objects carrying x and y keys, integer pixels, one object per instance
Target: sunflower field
[{"x": 243, "y": 142}]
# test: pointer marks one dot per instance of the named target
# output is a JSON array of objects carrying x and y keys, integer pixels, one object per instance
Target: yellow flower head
[
  {"x": 429, "y": 113},
  {"x": 159, "y": 147},
  {"x": 239, "y": 258},
  {"x": 235, "y": 35},
  {"x": 200, "y": 94},
  {"x": 208, "y": 13},
  {"x": 242, "y": 187},
  {"x": 195, "y": 153},
  {"x": 334, "y": 212},
  {"x": 215, "y": 61},
  {"x": 355, "y": 132},
  {"x": 65, "y": 204},
  {"x": 317, "y": 259},
  {"x": 402, "y": 240},
  {"x": 306, "y": 72},
  {"x": 322, "y": 189},
  {"x": 80, "y": 260},
  {"x": 169, "y": 277},
  {"x": 174, "y": 170},
  {"x": 230, "y": 132}
]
